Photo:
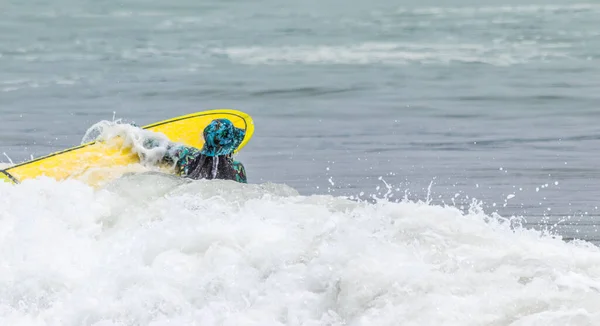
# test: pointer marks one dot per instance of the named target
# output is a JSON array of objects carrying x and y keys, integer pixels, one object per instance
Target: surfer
[{"x": 214, "y": 160}]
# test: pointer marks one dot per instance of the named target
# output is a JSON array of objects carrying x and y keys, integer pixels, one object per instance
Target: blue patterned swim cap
[{"x": 221, "y": 137}]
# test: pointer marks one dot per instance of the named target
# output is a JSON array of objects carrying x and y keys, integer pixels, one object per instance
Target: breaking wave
[{"x": 154, "y": 249}]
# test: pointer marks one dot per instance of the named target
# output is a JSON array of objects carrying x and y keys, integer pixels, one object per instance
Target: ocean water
[{"x": 414, "y": 163}]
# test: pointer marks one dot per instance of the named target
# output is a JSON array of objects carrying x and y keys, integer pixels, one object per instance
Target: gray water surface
[{"x": 479, "y": 99}]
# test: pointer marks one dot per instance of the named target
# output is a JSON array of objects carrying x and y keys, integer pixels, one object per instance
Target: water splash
[
  {"x": 8, "y": 157},
  {"x": 133, "y": 137},
  {"x": 152, "y": 248}
]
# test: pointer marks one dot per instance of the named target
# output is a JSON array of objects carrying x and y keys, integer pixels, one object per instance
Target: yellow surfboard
[{"x": 92, "y": 162}]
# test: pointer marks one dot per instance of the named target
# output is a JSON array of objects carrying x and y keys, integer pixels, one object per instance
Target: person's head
[{"x": 221, "y": 137}]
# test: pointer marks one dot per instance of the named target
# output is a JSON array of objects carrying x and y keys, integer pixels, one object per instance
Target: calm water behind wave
[{"x": 482, "y": 100}]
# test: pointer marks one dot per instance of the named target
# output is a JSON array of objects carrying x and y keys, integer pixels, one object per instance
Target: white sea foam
[
  {"x": 498, "y": 53},
  {"x": 158, "y": 250},
  {"x": 133, "y": 137},
  {"x": 511, "y": 9},
  {"x": 15, "y": 85}
]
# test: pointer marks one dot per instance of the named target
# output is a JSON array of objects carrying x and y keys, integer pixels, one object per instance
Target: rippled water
[{"x": 480, "y": 99}]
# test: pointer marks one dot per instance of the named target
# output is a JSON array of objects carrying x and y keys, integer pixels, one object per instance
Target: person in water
[{"x": 214, "y": 160}]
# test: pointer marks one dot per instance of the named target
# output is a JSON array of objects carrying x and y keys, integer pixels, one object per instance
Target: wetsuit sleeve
[
  {"x": 178, "y": 156},
  {"x": 240, "y": 172},
  {"x": 182, "y": 156}
]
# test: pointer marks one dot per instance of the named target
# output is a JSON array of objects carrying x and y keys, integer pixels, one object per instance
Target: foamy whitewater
[
  {"x": 494, "y": 100},
  {"x": 152, "y": 249}
]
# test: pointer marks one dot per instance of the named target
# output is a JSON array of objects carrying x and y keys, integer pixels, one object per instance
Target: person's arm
[
  {"x": 176, "y": 155},
  {"x": 182, "y": 156},
  {"x": 240, "y": 172},
  {"x": 169, "y": 155}
]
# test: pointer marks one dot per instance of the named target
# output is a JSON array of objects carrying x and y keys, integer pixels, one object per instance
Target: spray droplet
[{"x": 9, "y": 160}]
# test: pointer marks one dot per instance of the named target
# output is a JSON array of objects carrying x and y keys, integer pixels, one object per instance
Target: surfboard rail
[{"x": 6, "y": 177}]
